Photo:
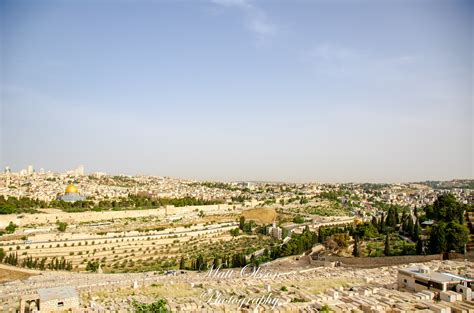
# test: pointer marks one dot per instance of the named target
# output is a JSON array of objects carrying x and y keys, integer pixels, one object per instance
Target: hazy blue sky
[{"x": 240, "y": 90}]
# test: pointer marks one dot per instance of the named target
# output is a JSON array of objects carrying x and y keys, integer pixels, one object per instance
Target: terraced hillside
[{"x": 134, "y": 251}]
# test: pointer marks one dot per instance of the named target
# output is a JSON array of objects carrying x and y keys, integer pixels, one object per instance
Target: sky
[{"x": 298, "y": 91}]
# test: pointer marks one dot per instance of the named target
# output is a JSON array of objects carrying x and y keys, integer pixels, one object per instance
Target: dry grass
[
  {"x": 8, "y": 275},
  {"x": 260, "y": 215},
  {"x": 172, "y": 290},
  {"x": 175, "y": 290},
  {"x": 320, "y": 285}
]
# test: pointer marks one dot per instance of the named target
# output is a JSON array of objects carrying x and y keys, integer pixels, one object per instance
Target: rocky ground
[{"x": 286, "y": 285}]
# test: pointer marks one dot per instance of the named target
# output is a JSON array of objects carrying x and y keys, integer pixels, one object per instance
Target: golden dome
[{"x": 71, "y": 189}]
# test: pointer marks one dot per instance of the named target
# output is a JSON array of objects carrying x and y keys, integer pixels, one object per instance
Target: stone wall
[
  {"x": 456, "y": 256},
  {"x": 380, "y": 261},
  {"x": 53, "y": 305},
  {"x": 52, "y": 215}
]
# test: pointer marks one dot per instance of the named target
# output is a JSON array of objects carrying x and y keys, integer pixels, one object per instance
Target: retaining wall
[{"x": 367, "y": 262}]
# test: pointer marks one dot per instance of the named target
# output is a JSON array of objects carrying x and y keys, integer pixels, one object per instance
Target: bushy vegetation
[
  {"x": 155, "y": 307},
  {"x": 298, "y": 244},
  {"x": 10, "y": 229},
  {"x": 92, "y": 266},
  {"x": 447, "y": 209},
  {"x": 14, "y": 205},
  {"x": 298, "y": 219},
  {"x": 383, "y": 237},
  {"x": 132, "y": 202},
  {"x": 61, "y": 226},
  {"x": 36, "y": 263}
]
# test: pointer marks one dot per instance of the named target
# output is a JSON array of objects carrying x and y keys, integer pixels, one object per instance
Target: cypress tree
[
  {"x": 416, "y": 231},
  {"x": 410, "y": 227},
  {"x": 355, "y": 252},
  {"x": 397, "y": 220},
  {"x": 403, "y": 219},
  {"x": 438, "y": 243},
  {"x": 419, "y": 247},
  {"x": 382, "y": 223},
  {"x": 390, "y": 221},
  {"x": 386, "y": 250},
  {"x": 374, "y": 222},
  {"x": 217, "y": 262},
  {"x": 242, "y": 223}
]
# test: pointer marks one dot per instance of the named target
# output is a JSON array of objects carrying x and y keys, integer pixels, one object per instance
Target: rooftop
[{"x": 62, "y": 292}]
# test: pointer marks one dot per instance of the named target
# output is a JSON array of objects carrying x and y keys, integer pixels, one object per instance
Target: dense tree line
[
  {"x": 130, "y": 203},
  {"x": 14, "y": 205},
  {"x": 35, "y": 263},
  {"x": 449, "y": 232},
  {"x": 447, "y": 209},
  {"x": 92, "y": 266},
  {"x": 201, "y": 264},
  {"x": 247, "y": 227},
  {"x": 298, "y": 244},
  {"x": 326, "y": 231}
]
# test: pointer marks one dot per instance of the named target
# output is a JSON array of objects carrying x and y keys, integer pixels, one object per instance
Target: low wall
[
  {"x": 456, "y": 256},
  {"x": 52, "y": 215},
  {"x": 367, "y": 262}
]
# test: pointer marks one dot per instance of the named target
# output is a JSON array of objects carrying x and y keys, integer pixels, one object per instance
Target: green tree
[
  {"x": 10, "y": 229},
  {"x": 91, "y": 266},
  {"x": 298, "y": 219},
  {"x": 355, "y": 251},
  {"x": 382, "y": 223},
  {"x": 391, "y": 220},
  {"x": 320, "y": 235},
  {"x": 387, "y": 250},
  {"x": 457, "y": 236},
  {"x": 395, "y": 212},
  {"x": 416, "y": 230},
  {"x": 374, "y": 222},
  {"x": 61, "y": 226},
  {"x": 419, "y": 246},
  {"x": 446, "y": 208},
  {"x": 404, "y": 249},
  {"x": 234, "y": 232},
  {"x": 155, "y": 307},
  {"x": 410, "y": 226},
  {"x": 242, "y": 223},
  {"x": 366, "y": 231},
  {"x": 182, "y": 263},
  {"x": 200, "y": 263},
  {"x": 437, "y": 242}
]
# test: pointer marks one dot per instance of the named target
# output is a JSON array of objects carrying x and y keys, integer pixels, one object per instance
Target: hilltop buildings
[{"x": 275, "y": 231}]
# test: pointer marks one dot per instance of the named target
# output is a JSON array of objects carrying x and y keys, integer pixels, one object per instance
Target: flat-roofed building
[
  {"x": 56, "y": 299},
  {"x": 422, "y": 278}
]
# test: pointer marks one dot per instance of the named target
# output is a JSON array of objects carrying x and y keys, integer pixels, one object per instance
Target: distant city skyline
[
  {"x": 236, "y": 90},
  {"x": 81, "y": 171}
]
